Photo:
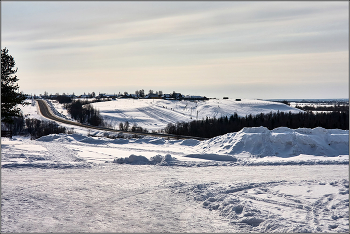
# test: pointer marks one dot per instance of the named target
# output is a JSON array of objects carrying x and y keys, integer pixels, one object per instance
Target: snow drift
[
  {"x": 281, "y": 142},
  {"x": 249, "y": 147}
]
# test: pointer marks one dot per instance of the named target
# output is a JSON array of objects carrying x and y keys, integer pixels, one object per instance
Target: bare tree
[
  {"x": 121, "y": 126},
  {"x": 126, "y": 126}
]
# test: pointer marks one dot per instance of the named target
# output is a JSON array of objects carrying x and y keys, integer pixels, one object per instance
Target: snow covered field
[
  {"x": 255, "y": 180},
  {"x": 157, "y": 113}
]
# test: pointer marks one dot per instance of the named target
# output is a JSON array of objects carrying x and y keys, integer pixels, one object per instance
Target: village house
[
  {"x": 153, "y": 96},
  {"x": 104, "y": 95},
  {"x": 193, "y": 98}
]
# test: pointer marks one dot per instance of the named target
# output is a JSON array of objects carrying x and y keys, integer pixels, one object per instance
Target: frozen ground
[
  {"x": 155, "y": 114},
  {"x": 254, "y": 180},
  {"x": 144, "y": 198}
]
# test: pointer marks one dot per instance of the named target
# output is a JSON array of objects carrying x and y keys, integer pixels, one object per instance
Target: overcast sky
[{"x": 237, "y": 49}]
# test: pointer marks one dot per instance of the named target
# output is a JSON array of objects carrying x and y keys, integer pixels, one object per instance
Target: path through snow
[{"x": 131, "y": 198}]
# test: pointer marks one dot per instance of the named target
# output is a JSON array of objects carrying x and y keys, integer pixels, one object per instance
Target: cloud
[{"x": 162, "y": 43}]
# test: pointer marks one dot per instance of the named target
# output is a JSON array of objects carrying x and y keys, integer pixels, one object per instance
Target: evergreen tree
[{"x": 10, "y": 97}]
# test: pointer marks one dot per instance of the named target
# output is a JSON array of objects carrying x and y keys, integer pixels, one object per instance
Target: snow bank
[
  {"x": 282, "y": 142},
  {"x": 142, "y": 160},
  {"x": 248, "y": 147}
]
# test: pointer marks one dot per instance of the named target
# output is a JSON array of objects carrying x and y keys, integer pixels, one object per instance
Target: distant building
[
  {"x": 192, "y": 98},
  {"x": 85, "y": 96},
  {"x": 168, "y": 96},
  {"x": 153, "y": 96},
  {"x": 104, "y": 95},
  {"x": 177, "y": 96},
  {"x": 133, "y": 96}
]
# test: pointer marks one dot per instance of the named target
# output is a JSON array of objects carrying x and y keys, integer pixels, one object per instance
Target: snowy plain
[{"x": 255, "y": 180}]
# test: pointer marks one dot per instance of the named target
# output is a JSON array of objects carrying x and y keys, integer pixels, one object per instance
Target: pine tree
[{"x": 10, "y": 97}]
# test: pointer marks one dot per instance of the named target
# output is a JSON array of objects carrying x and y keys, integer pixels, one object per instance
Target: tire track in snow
[
  {"x": 249, "y": 206},
  {"x": 59, "y": 153}
]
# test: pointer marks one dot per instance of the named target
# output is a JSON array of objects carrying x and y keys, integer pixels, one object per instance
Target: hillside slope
[{"x": 156, "y": 114}]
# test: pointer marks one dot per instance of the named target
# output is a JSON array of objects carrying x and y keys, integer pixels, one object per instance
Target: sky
[{"x": 258, "y": 50}]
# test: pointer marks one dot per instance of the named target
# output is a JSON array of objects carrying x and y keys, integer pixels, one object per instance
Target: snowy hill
[{"x": 156, "y": 114}]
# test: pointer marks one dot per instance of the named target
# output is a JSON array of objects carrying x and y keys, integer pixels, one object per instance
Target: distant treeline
[
  {"x": 66, "y": 99},
  {"x": 63, "y": 99},
  {"x": 211, "y": 127},
  {"x": 324, "y": 108},
  {"x": 84, "y": 113}
]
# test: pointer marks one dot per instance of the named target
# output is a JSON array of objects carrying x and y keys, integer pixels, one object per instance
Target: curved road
[{"x": 46, "y": 112}]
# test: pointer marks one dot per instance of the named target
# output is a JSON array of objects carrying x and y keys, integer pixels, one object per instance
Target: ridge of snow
[{"x": 281, "y": 142}]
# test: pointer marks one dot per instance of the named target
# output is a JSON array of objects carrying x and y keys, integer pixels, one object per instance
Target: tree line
[
  {"x": 63, "y": 99},
  {"x": 211, "y": 127},
  {"x": 34, "y": 127},
  {"x": 84, "y": 113},
  {"x": 341, "y": 108}
]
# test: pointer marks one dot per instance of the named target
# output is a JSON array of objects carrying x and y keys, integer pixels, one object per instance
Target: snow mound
[
  {"x": 280, "y": 142},
  {"x": 50, "y": 137},
  {"x": 62, "y": 137},
  {"x": 142, "y": 160}
]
